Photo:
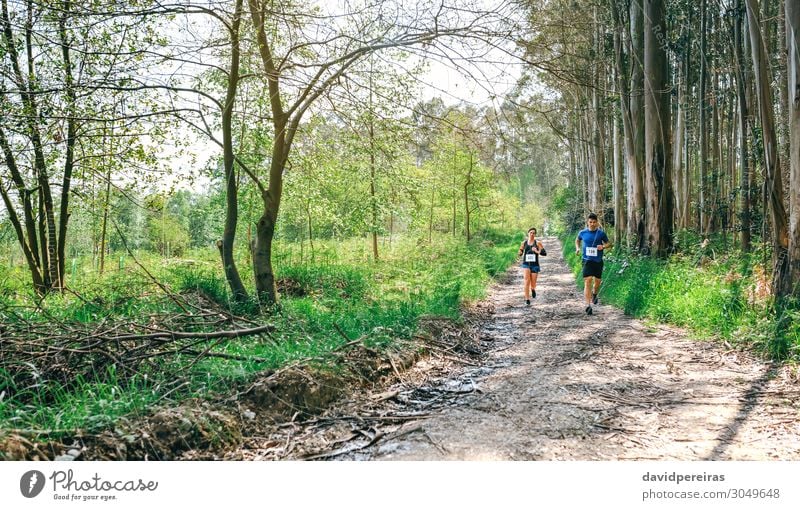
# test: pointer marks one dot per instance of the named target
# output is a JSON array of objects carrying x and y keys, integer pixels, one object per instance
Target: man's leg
[
  {"x": 597, "y": 279},
  {"x": 587, "y": 289},
  {"x": 587, "y": 294}
]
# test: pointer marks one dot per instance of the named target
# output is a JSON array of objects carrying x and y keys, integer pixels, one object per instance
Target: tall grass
[{"x": 715, "y": 293}]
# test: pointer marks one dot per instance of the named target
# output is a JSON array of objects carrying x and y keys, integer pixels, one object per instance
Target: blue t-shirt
[{"x": 591, "y": 239}]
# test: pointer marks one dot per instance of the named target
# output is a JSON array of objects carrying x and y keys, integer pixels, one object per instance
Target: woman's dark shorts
[
  {"x": 592, "y": 268},
  {"x": 533, "y": 268}
]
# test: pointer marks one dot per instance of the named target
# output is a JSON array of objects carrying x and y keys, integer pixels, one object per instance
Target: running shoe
[
  {"x": 588, "y": 310},
  {"x": 594, "y": 298},
  {"x": 527, "y": 302},
  {"x": 533, "y": 293}
]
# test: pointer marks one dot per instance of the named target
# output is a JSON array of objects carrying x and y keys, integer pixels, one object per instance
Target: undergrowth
[
  {"x": 326, "y": 302},
  {"x": 712, "y": 289}
]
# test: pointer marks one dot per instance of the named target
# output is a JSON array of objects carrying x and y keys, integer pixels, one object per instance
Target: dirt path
[{"x": 557, "y": 384}]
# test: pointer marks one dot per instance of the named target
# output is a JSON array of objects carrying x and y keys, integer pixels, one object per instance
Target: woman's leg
[
  {"x": 534, "y": 277},
  {"x": 527, "y": 274}
]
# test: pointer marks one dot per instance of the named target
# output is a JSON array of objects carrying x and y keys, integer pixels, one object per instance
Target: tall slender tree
[{"x": 658, "y": 179}]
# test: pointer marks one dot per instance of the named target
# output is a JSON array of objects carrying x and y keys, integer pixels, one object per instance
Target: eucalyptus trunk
[
  {"x": 658, "y": 181},
  {"x": 636, "y": 199},
  {"x": 704, "y": 202},
  {"x": 792, "y": 282},
  {"x": 773, "y": 186}
]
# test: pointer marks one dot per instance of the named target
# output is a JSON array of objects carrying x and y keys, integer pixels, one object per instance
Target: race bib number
[
  {"x": 591, "y": 252},
  {"x": 530, "y": 257}
]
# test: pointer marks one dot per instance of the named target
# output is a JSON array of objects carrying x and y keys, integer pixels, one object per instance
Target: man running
[
  {"x": 530, "y": 250},
  {"x": 594, "y": 241}
]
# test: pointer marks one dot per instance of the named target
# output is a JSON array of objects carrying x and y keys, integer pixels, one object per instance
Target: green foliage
[
  {"x": 87, "y": 404},
  {"x": 323, "y": 298},
  {"x": 168, "y": 236},
  {"x": 566, "y": 210},
  {"x": 713, "y": 297}
]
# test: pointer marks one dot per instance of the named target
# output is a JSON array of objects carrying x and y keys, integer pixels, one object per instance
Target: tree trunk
[
  {"x": 454, "y": 192},
  {"x": 310, "y": 231},
  {"x": 599, "y": 135},
  {"x": 658, "y": 180},
  {"x": 636, "y": 203},
  {"x": 28, "y": 244},
  {"x": 619, "y": 207},
  {"x": 46, "y": 246},
  {"x": 704, "y": 202},
  {"x": 264, "y": 274},
  {"x": 430, "y": 219},
  {"x": 372, "y": 192},
  {"x": 773, "y": 185},
  {"x": 793, "y": 75},
  {"x": 677, "y": 160},
  {"x": 69, "y": 157},
  {"x": 685, "y": 185},
  {"x": 466, "y": 197},
  {"x": 104, "y": 228},
  {"x": 622, "y": 84},
  {"x": 599, "y": 156},
  {"x": 714, "y": 174},
  {"x": 238, "y": 292}
]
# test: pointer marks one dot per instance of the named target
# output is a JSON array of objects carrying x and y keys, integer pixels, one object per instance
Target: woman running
[{"x": 530, "y": 250}]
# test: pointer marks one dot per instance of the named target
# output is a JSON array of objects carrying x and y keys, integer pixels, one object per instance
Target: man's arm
[
  {"x": 578, "y": 244},
  {"x": 607, "y": 244}
]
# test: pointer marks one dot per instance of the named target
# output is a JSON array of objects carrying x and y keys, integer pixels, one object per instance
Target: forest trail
[
  {"x": 557, "y": 384},
  {"x": 562, "y": 385}
]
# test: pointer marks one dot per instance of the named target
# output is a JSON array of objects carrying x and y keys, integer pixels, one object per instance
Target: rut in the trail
[{"x": 561, "y": 385}]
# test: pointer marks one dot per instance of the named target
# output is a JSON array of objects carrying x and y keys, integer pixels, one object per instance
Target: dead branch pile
[{"x": 50, "y": 350}]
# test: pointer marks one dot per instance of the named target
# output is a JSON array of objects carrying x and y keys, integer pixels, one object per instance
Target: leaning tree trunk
[
  {"x": 658, "y": 181},
  {"x": 773, "y": 184}
]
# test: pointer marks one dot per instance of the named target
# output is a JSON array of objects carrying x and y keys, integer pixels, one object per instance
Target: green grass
[
  {"x": 711, "y": 291},
  {"x": 340, "y": 291},
  {"x": 87, "y": 403}
]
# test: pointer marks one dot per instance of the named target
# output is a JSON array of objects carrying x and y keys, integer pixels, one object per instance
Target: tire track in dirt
[{"x": 561, "y": 385}]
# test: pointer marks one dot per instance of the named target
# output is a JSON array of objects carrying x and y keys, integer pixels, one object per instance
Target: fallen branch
[
  {"x": 171, "y": 335},
  {"x": 378, "y": 436}
]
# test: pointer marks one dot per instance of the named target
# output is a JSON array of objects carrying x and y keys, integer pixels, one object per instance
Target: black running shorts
[{"x": 592, "y": 268}]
